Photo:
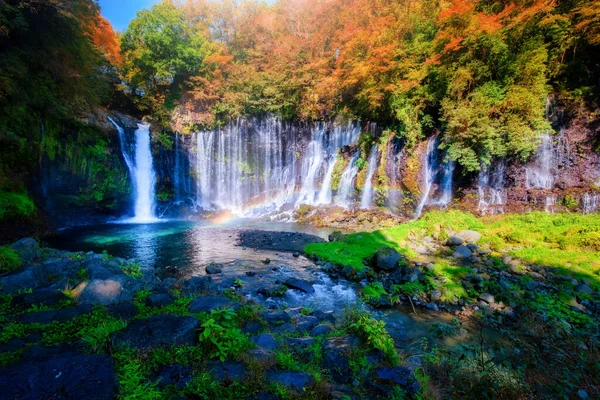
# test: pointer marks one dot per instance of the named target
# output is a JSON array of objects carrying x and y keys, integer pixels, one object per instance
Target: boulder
[
  {"x": 29, "y": 278},
  {"x": 213, "y": 269},
  {"x": 275, "y": 316},
  {"x": 305, "y": 324},
  {"x": 63, "y": 376},
  {"x": 299, "y": 344},
  {"x": 159, "y": 299},
  {"x": 124, "y": 311},
  {"x": 488, "y": 298},
  {"x": 197, "y": 285},
  {"x": 46, "y": 297},
  {"x": 49, "y": 316},
  {"x": 336, "y": 236},
  {"x": 228, "y": 371},
  {"x": 252, "y": 327},
  {"x": 386, "y": 259},
  {"x": 118, "y": 289},
  {"x": 158, "y": 331},
  {"x": 265, "y": 341},
  {"x": 291, "y": 379},
  {"x": 28, "y": 249},
  {"x": 322, "y": 329},
  {"x": 470, "y": 236},
  {"x": 401, "y": 376},
  {"x": 209, "y": 303},
  {"x": 273, "y": 291},
  {"x": 585, "y": 289},
  {"x": 299, "y": 284},
  {"x": 335, "y": 356},
  {"x": 462, "y": 252},
  {"x": 455, "y": 240}
]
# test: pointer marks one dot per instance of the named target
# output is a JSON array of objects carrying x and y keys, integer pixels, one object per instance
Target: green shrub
[
  {"x": 222, "y": 337},
  {"x": 9, "y": 259},
  {"x": 15, "y": 205},
  {"x": 374, "y": 332}
]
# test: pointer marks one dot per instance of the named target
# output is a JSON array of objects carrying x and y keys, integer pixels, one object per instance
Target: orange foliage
[{"x": 105, "y": 39}]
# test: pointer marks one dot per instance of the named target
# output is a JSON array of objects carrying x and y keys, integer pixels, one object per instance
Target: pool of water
[{"x": 182, "y": 246}]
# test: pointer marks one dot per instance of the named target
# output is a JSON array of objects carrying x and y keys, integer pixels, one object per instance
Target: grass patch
[
  {"x": 15, "y": 205},
  {"x": 568, "y": 242},
  {"x": 9, "y": 259}
]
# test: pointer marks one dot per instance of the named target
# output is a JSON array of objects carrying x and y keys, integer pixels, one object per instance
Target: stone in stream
[
  {"x": 291, "y": 379},
  {"x": 275, "y": 316},
  {"x": 273, "y": 291},
  {"x": 300, "y": 284},
  {"x": 63, "y": 376},
  {"x": 305, "y": 324},
  {"x": 158, "y": 331},
  {"x": 386, "y": 259},
  {"x": 213, "y": 268},
  {"x": 209, "y": 303}
]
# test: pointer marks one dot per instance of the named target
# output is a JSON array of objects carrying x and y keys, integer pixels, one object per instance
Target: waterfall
[
  {"x": 345, "y": 197},
  {"x": 326, "y": 194},
  {"x": 124, "y": 153},
  {"x": 492, "y": 195},
  {"x": 550, "y": 204},
  {"x": 446, "y": 184},
  {"x": 540, "y": 175},
  {"x": 177, "y": 171},
  {"x": 311, "y": 166},
  {"x": 430, "y": 172},
  {"x": 590, "y": 203},
  {"x": 367, "y": 193},
  {"x": 145, "y": 178}
]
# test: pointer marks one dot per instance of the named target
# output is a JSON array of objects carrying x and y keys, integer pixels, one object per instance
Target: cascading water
[
  {"x": 590, "y": 203},
  {"x": 141, "y": 171},
  {"x": 433, "y": 169},
  {"x": 145, "y": 178},
  {"x": 366, "y": 200},
  {"x": 492, "y": 194},
  {"x": 255, "y": 167},
  {"x": 540, "y": 175},
  {"x": 345, "y": 195}
]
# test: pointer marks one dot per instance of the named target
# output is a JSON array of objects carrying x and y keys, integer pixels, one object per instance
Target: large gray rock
[
  {"x": 455, "y": 240},
  {"x": 64, "y": 376},
  {"x": 28, "y": 249},
  {"x": 265, "y": 341},
  {"x": 159, "y": 331},
  {"x": 336, "y": 351},
  {"x": 488, "y": 298},
  {"x": 470, "y": 236},
  {"x": 29, "y": 278},
  {"x": 585, "y": 289},
  {"x": 386, "y": 259},
  {"x": 118, "y": 289},
  {"x": 299, "y": 284},
  {"x": 401, "y": 376},
  {"x": 462, "y": 252},
  {"x": 228, "y": 371}
]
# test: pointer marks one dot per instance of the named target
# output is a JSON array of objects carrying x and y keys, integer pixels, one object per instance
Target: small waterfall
[
  {"x": 435, "y": 170},
  {"x": 124, "y": 153},
  {"x": 145, "y": 178},
  {"x": 446, "y": 184},
  {"x": 177, "y": 170},
  {"x": 367, "y": 193},
  {"x": 492, "y": 194},
  {"x": 590, "y": 203},
  {"x": 311, "y": 166},
  {"x": 430, "y": 172},
  {"x": 550, "y": 204},
  {"x": 540, "y": 175},
  {"x": 345, "y": 196},
  {"x": 326, "y": 194}
]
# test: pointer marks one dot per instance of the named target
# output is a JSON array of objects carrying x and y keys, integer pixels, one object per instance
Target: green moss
[
  {"x": 15, "y": 205},
  {"x": 9, "y": 259}
]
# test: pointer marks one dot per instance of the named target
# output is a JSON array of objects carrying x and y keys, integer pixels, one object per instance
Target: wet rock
[
  {"x": 213, "y": 269},
  {"x": 250, "y": 273},
  {"x": 260, "y": 354},
  {"x": 436, "y": 295},
  {"x": 488, "y": 298},
  {"x": 400, "y": 376},
  {"x": 296, "y": 254},
  {"x": 275, "y": 316},
  {"x": 470, "y": 236},
  {"x": 455, "y": 240},
  {"x": 386, "y": 259},
  {"x": 228, "y": 371},
  {"x": 265, "y": 341},
  {"x": 301, "y": 285},
  {"x": 322, "y": 329},
  {"x": 252, "y": 327},
  {"x": 279, "y": 241},
  {"x": 585, "y": 289},
  {"x": 119, "y": 289},
  {"x": 198, "y": 285},
  {"x": 209, "y": 303},
  {"x": 462, "y": 252},
  {"x": 305, "y": 324},
  {"x": 291, "y": 379},
  {"x": 285, "y": 328},
  {"x": 325, "y": 316},
  {"x": 28, "y": 249},
  {"x": 336, "y": 236},
  {"x": 432, "y": 307},
  {"x": 177, "y": 375},
  {"x": 63, "y": 376},
  {"x": 267, "y": 261},
  {"x": 49, "y": 316},
  {"x": 159, "y": 331},
  {"x": 159, "y": 299},
  {"x": 273, "y": 291},
  {"x": 299, "y": 344},
  {"x": 32, "y": 277}
]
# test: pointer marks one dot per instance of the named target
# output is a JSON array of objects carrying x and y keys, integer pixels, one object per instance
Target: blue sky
[{"x": 120, "y": 12}]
